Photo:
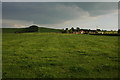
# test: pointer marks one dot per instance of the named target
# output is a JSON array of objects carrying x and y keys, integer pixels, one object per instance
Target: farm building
[
  {"x": 93, "y": 32},
  {"x": 85, "y": 31}
]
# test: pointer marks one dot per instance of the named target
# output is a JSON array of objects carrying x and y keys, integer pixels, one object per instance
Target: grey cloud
[
  {"x": 96, "y": 8},
  {"x": 44, "y": 13},
  {"x": 54, "y": 12}
]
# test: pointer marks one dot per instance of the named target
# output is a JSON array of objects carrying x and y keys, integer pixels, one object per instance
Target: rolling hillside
[{"x": 41, "y": 29}]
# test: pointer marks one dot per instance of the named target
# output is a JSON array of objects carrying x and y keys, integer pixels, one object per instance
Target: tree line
[{"x": 76, "y": 30}]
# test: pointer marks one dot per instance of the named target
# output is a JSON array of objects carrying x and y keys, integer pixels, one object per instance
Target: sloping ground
[
  {"x": 11, "y": 30},
  {"x": 50, "y": 55},
  {"x": 41, "y": 29}
]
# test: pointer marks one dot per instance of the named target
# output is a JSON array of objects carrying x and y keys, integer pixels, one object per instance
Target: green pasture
[{"x": 57, "y": 55}]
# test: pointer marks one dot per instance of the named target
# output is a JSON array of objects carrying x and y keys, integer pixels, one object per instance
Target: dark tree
[
  {"x": 72, "y": 29},
  {"x": 118, "y": 31},
  {"x": 32, "y": 28},
  {"x": 63, "y": 31},
  {"x": 98, "y": 29},
  {"x": 66, "y": 30},
  {"x": 78, "y": 29}
]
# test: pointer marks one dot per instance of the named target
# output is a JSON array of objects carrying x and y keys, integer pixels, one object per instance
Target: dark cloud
[
  {"x": 54, "y": 12},
  {"x": 44, "y": 13}
]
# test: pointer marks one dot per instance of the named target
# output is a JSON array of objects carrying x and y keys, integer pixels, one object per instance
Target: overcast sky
[{"x": 103, "y": 15}]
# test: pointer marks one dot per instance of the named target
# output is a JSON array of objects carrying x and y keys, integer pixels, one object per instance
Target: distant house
[
  {"x": 100, "y": 32},
  {"x": 85, "y": 31},
  {"x": 76, "y": 32},
  {"x": 93, "y": 32},
  {"x": 79, "y": 32},
  {"x": 82, "y": 32}
]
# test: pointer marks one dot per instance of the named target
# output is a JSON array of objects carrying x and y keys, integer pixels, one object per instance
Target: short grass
[{"x": 55, "y": 55}]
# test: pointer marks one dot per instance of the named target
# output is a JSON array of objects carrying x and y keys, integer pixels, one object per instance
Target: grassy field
[{"x": 55, "y": 55}]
